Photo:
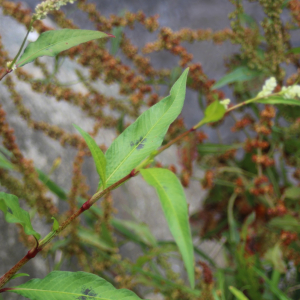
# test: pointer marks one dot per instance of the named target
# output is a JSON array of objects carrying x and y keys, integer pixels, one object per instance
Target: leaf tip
[
  {"x": 186, "y": 71},
  {"x": 110, "y": 35}
]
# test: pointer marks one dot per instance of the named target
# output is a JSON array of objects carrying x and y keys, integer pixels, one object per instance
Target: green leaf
[
  {"x": 279, "y": 100},
  {"x": 116, "y": 42},
  {"x": 97, "y": 154},
  {"x": 275, "y": 290},
  {"x": 9, "y": 204},
  {"x": 52, "y": 186},
  {"x": 233, "y": 228},
  {"x": 19, "y": 275},
  {"x": 174, "y": 205},
  {"x": 287, "y": 223},
  {"x": 61, "y": 285},
  {"x": 140, "y": 231},
  {"x": 295, "y": 50},
  {"x": 209, "y": 148},
  {"x": 145, "y": 135},
  {"x": 285, "y": 4},
  {"x": 6, "y": 152},
  {"x": 55, "y": 224},
  {"x": 220, "y": 283},
  {"x": 5, "y": 163},
  {"x": 197, "y": 251},
  {"x": 238, "y": 294},
  {"x": 240, "y": 74},
  {"x": 247, "y": 20},
  {"x": 250, "y": 219},
  {"x": 213, "y": 113},
  {"x": 90, "y": 237},
  {"x": 275, "y": 257},
  {"x": 120, "y": 123},
  {"x": 292, "y": 192},
  {"x": 52, "y": 42}
]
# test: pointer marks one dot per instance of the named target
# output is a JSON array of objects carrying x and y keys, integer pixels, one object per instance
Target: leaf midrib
[
  {"x": 133, "y": 149},
  {"x": 51, "y": 45},
  {"x": 172, "y": 207},
  {"x": 58, "y": 292},
  {"x": 185, "y": 246}
]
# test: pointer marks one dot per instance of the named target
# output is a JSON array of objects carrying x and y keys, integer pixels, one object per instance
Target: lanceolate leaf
[
  {"x": 174, "y": 205},
  {"x": 52, "y": 42},
  {"x": 145, "y": 135},
  {"x": 116, "y": 42},
  {"x": 9, "y": 204},
  {"x": 279, "y": 100},
  {"x": 209, "y": 148},
  {"x": 275, "y": 290},
  {"x": 90, "y": 237},
  {"x": 286, "y": 222},
  {"x": 97, "y": 154},
  {"x": 240, "y": 74},
  {"x": 140, "y": 231},
  {"x": 52, "y": 186},
  {"x": 59, "y": 285},
  {"x": 5, "y": 163},
  {"x": 238, "y": 294}
]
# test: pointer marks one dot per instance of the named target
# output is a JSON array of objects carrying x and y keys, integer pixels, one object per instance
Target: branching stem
[
  {"x": 35, "y": 250},
  {"x": 41, "y": 244}
]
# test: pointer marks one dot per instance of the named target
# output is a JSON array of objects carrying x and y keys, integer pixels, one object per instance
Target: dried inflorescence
[{"x": 32, "y": 185}]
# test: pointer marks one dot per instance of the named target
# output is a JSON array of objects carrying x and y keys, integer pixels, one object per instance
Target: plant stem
[
  {"x": 9, "y": 274},
  {"x": 243, "y": 103},
  {"x": 22, "y": 46},
  {"x": 4, "y": 73},
  {"x": 10, "y": 67},
  {"x": 34, "y": 251},
  {"x": 163, "y": 148}
]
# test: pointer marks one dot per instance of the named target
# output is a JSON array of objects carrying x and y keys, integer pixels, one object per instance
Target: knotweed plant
[{"x": 256, "y": 202}]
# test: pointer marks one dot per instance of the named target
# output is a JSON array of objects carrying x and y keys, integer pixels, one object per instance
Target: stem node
[{"x": 86, "y": 205}]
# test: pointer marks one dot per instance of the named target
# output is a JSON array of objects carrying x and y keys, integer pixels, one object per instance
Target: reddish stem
[
  {"x": 34, "y": 251},
  {"x": 8, "y": 275},
  {"x": 6, "y": 289},
  {"x": 4, "y": 73},
  {"x": 175, "y": 140}
]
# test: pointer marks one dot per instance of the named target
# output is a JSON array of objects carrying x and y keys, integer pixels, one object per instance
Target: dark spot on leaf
[
  {"x": 67, "y": 43},
  {"x": 138, "y": 141},
  {"x": 141, "y": 143},
  {"x": 140, "y": 146},
  {"x": 9, "y": 210},
  {"x": 88, "y": 292}
]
